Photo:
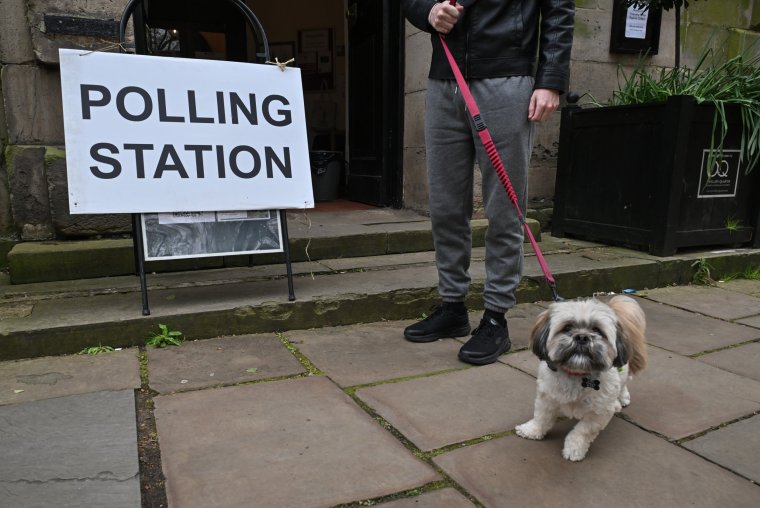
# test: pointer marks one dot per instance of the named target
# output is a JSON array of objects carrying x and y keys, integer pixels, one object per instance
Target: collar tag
[{"x": 590, "y": 383}]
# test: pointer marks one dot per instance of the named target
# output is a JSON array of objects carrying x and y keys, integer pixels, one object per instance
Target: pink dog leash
[{"x": 498, "y": 165}]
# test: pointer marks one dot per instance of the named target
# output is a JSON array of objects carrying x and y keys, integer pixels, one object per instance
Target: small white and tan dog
[{"x": 588, "y": 350}]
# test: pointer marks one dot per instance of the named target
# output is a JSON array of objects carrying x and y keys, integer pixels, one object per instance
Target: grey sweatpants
[{"x": 452, "y": 146}]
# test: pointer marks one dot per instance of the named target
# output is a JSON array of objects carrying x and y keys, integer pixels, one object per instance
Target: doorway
[{"x": 348, "y": 52}]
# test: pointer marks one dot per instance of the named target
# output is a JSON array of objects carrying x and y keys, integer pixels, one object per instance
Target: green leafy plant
[
  {"x": 96, "y": 350},
  {"x": 735, "y": 82},
  {"x": 732, "y": 224},
  {"x": 750, "y": 273},
  {"x": 703, "y": 273},
  {"x": 167, "y": 337}
]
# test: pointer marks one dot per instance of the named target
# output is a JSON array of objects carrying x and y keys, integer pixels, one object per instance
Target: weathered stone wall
[
  {"x": 728, "y": 27},
  {"x": 33, "y": 189}
]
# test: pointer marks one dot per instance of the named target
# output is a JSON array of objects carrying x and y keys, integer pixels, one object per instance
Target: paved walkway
[{"x": 354, "y": 414}]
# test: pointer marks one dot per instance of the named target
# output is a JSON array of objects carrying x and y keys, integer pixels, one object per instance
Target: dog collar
[{"x": 586, "y": 382}]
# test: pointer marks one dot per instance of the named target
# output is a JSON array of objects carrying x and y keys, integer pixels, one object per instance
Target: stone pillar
[
  {"x": 29, "y": 198},
  {"x": 33, "y": 184},
  {"x": 15, "y": 49}
]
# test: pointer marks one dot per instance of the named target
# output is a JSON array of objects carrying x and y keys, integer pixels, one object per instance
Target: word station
[{"x": 136, "y": 104}]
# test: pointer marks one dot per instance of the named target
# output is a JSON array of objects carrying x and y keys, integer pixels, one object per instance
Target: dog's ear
[
  {"x": 539, "y": 336},
  {"x": 631, "y": 328},
  {"x": 622, "y": 352}
]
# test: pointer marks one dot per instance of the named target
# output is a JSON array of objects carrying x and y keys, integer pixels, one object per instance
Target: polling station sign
[{"x": 160, "y": 134}]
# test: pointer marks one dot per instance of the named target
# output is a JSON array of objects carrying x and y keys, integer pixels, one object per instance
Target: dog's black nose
[{"x": 583, "y": 339}]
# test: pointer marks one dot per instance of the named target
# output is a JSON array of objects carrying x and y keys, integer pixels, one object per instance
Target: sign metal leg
[
  {"x": 286, "y": 251},
  {"x": 137, "y": 240}
]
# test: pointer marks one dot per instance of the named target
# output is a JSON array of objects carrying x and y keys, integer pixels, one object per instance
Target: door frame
[
  {"x": 394, "y": 62},
  {"x": 391, "y": 68}
]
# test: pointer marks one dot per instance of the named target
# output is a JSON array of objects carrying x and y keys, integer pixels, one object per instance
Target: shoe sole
[
  {"x": 486, "y": 360},
  {"x": 448, "y": 334}
]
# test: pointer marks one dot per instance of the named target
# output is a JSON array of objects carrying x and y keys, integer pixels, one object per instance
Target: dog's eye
[
  {"x": 597, "y": 331},
  {"x": 567, "y": 328}
]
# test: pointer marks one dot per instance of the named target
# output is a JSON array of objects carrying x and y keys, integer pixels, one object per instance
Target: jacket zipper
[{"x": 467, "y": 55}]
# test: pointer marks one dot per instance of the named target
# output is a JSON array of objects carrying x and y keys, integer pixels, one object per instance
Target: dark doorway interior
[
  {"x": 375, "y": 67},
  {"x": 189, "y": 29}
]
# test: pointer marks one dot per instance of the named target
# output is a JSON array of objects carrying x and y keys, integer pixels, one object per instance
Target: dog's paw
[
  {"x": 530, "y": 430},
  {"x": 573, "y": 455},
  {"x": 575, "y": 450}
]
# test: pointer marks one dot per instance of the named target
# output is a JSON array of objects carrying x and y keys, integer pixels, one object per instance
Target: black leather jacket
[{"x": 497, "y": 38}]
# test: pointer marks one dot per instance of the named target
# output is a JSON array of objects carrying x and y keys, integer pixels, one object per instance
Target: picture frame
[
  {"x": 316, "y": 60},
  {"x": 631, "y": 36}
]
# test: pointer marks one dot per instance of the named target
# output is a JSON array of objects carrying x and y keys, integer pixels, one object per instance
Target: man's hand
[
  {"x": 443, "y": 16},
  {"x": 543, "y": 103}
]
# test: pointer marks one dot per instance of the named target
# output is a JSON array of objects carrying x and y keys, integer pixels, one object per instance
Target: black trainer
[
  {"x": 489, "y": 341},
  {"x": 444, "y": 322}
]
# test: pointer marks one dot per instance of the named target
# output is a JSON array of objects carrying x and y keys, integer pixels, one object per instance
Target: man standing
[{"x": 515, "y": 56}]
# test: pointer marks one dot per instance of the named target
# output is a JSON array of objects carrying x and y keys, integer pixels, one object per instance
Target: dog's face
[{"x": 580, "y": 336}]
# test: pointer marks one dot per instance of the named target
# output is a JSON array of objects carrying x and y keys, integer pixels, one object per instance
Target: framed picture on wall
[
  {"x": 283, "y": 51},
  {"x": 315, "y": 58},
  {"x": 635, "y": 30}
]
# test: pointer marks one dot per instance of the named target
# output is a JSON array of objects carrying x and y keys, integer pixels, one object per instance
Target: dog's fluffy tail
[{"x": 632, "y": 327}]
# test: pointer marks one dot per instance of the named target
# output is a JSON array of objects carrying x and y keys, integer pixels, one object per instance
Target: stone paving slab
[
  {"x": 688, "y": 333},
  {"x": 447, "y": 498},
  {"x": 221, "y": 361},
  {"x": 58, "y": 376},
  {"x": 300, "y": 442},
  {"x": 15, "y": 310},
  {"x": 368, "y": 353},
  {"x": 735, "y": 447},
  {"x": 679, "y": 397},
  {"x": 742, "y": 360},
  {"x": 710, "y": 301},
  {"x": 525, "y": 361},
  {"x": 520, "y": 322},
  {"x": 746, "y": 286},
  {"x": 70, "y": 451},
  {"x": 626, "y": 466},
  {"x": 440, "y": 410},
  {"x": 750, "y": 321},
  {"x": 363, "y": 354}
]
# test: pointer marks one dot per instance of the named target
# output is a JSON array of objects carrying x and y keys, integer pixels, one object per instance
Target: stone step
[
  {"x": 312, "y": 237},
  {"x": 40, "y": 319}
]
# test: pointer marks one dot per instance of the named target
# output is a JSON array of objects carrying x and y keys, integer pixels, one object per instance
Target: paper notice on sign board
[
  {"x": 254, "y": 232},
  {"x": 186, "y": 217},
  {"x": 636, "y": 23}
]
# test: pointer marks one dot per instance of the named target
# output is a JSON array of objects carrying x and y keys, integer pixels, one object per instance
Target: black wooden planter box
[{"x": 635, "y": 176}]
